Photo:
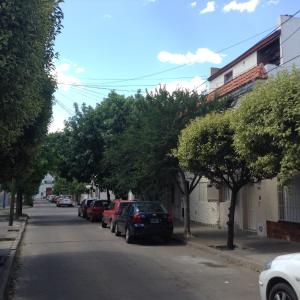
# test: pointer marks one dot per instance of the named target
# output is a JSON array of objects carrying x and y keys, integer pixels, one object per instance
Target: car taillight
[{"x": 137, "y": 218}]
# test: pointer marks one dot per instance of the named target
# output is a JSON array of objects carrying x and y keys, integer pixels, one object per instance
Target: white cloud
[
  {"x": 202, "y": 55},
  {"x": 210, "y": 7},
  {"x": 248, "y": 6},
  {"x": 273, "y": 2},
  {"x": 63, "y": 78},
  {"x": 197, "y": 83},
  {"x": 79, "y": 70},
  {"x": 193, "y": 4}
]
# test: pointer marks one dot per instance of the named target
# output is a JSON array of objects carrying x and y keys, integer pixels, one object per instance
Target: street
[{"x": 66, "y": 257}]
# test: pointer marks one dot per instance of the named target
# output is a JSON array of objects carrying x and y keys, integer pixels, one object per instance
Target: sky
[{"x": 126, "y": 45}]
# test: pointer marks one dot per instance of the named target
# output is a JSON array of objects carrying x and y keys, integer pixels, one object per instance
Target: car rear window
[
  {"x": 101, "y": 204},
  {"x": 122, "y": 205},
  {"x": 149, "y": 207},
  {"x": 88, "y": 202}
]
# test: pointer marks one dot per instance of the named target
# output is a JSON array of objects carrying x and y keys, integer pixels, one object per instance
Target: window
[
  {"x": 224, "y": 193},
  {"x": 228, "y": 76},
  {"x": 289, "y": 201}
]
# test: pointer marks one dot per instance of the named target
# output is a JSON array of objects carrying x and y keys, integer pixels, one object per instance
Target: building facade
[{"x": 263, "y": 208}]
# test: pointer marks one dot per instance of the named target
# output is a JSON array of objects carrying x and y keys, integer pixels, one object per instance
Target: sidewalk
[
  {"x": 252, "y": 251},
  {"x": 10, "y": 238}
]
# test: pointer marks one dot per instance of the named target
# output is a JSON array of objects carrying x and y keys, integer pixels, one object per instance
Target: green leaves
[
  {"x": 267, "y": 126},
  {"x": 27, "y": 33}
]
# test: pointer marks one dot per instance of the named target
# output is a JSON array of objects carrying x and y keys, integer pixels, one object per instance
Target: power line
[{"x": 181, "y": 66}]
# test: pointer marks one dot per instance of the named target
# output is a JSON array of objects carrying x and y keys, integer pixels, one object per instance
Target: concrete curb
[
  {"x": 230, "y": 257},
  {"x": 8, "y": 266}
]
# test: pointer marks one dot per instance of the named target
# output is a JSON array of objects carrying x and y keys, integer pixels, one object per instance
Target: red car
[
  {"x": 110, "y": 215},
  {"x": 95, "y": 210}
]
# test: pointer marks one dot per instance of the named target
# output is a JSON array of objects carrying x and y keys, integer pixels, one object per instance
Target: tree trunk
[
  {"x": 4, "y": 199},
  {"x": 108, "y": 194},
  {"x": 230, "y": 223},
  {"x": 18, "y": 205},
  {"x": 187, "y": 219},
  {"x": 21, "y": 205},
  {"x": 12, "y": 203}
]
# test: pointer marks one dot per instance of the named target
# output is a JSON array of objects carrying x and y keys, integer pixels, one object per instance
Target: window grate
[{"x": 289, "y": 201}]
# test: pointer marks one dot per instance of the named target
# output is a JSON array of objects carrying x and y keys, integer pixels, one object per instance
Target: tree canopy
[
  {"x": 206, "y": 146},
  {"x": 267, "y": 127}
]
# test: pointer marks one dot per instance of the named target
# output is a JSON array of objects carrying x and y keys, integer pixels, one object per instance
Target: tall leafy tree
[
  {"x": 27, "y": 33},
  {"x": 206, "y": 146},
  {"x": 145, "y": 163}
]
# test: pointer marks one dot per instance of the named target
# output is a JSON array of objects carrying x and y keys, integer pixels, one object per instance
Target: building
[
  {"x": 46, "y": 186},
  {"x": 262, "y": 208}
]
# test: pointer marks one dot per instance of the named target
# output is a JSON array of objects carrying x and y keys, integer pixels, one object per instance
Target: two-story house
[{"x": 263, "y": 208}]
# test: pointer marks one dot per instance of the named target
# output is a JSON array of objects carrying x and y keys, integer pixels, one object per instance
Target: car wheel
[
  {"x": 112, "y": 227},
  {"x": 128, "y": 236},
  {"x": 282, "y": 291},
  {"x": 103, "y": 224},
  {"x": 117, "y": 232}
]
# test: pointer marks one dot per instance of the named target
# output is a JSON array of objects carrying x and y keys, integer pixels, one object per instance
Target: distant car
[
  {"x": 144, "y": 219},
  {"x": 281, "y": 278},
  {"x": 65, "y": 201},
  {"x": 110, "y": 215},
  {"x": 82, "y": 208},
  {"x": 50, "y": 198},
  {"x": 95, "y": 210},
  {"x": 56, "y": 199}
]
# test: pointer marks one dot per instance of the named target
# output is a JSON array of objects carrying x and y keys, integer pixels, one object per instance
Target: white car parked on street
[
  {"x": 65, "y": 201},
  {"x": 281, "y": 278}
]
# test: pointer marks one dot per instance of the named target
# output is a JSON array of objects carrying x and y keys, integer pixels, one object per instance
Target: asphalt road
[{"x": 64, "y": 257}]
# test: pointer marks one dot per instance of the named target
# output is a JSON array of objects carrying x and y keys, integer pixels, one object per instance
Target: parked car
[
  {"x": 56, "y": 199},
  {"x": 110, "y": 215},
  {"x": 143, "y": 219},
  {"x": 65, "y": 201},
  {"x": 82, "y": 208},
  {"x": 281, "y": 278},
  {"x": 95, "y": 210},
  {"x": 50, "y": 198}
]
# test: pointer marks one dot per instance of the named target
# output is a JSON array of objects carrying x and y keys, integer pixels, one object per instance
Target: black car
[{"x": 143, "y": 219}]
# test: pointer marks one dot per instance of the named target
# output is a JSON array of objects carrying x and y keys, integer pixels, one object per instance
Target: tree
[
  {"x": 206, "y": 146},
  {"x": 146, "y": 165},
  {"x": 267, "y": 127},
  {"x": 27, "y": 33}
]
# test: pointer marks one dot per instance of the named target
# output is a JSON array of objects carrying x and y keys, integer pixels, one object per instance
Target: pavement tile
[{"x": 252, "y": 251}]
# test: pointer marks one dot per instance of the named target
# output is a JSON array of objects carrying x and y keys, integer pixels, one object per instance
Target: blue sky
[{"x": 138, "y": 44}]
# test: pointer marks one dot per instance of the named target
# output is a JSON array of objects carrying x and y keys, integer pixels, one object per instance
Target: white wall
[
  {"x": 240, "y": 68},
  {"x": 290, "y": 41},
  {"x": 204, "y": 203}
]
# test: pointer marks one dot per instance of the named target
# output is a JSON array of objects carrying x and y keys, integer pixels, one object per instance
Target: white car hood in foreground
[{"x": 293, "y": 256}]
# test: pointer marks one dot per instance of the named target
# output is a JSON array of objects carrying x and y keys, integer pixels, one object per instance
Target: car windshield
[{"x": 150, "y": 207}]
